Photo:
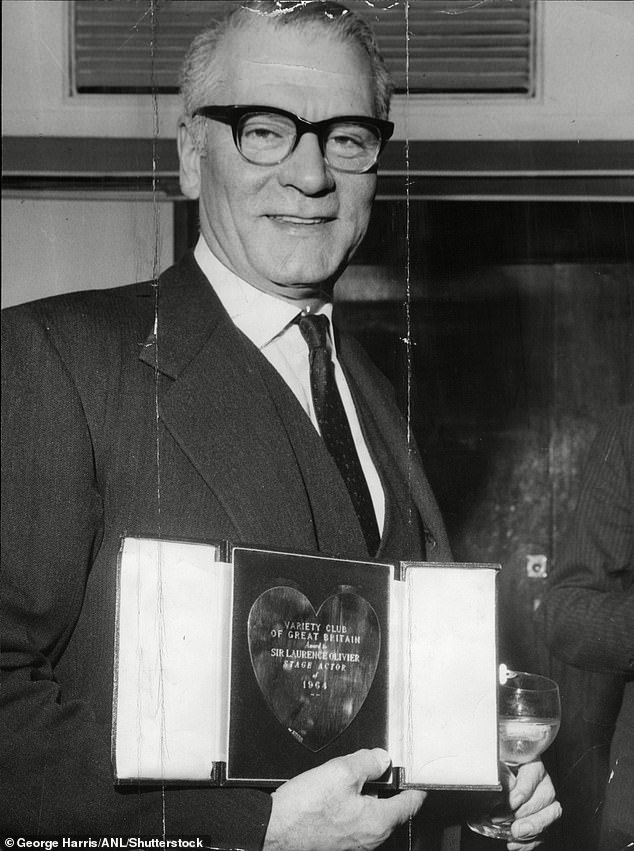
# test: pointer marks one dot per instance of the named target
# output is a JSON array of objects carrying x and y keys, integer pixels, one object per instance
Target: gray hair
[{"x": 201, "y": 68}]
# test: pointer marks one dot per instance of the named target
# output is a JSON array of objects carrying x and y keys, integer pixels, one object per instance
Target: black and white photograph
[{"x": 317, "y": 425}]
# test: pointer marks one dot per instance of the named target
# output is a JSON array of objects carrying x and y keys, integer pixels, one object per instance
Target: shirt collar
[{"x": 260, "y": 316}]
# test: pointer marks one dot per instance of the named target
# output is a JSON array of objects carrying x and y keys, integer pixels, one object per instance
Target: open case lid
[
  {"x": 444, "y": 658},
  {"x": 171, "y": 661}
]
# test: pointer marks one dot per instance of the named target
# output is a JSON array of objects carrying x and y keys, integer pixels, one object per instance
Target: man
[
  {"x": 587, "y": 620},
  {"x": 184, "y": 409}
]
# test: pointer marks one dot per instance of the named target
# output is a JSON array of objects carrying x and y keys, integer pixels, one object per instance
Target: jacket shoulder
[
  {"x": 90, "y": 340},
  {"x": 89, "y": 310},
  {"x": 89, "y": 318}
]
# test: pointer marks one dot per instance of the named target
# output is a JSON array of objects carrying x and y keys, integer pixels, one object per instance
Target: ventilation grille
[{"x": 454, "y": 46}]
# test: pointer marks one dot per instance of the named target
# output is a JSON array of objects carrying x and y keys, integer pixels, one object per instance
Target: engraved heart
[{"x": 315, "y": 669}]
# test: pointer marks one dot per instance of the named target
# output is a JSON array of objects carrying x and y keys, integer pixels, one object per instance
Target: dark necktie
[{"x": 334, "y": 426}]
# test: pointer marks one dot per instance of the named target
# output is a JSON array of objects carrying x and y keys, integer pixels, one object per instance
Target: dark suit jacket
[
  {"x": 587, "y": 619},
  {"x": 143, "y": 410}
]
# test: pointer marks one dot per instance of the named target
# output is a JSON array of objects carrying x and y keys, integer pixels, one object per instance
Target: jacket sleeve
[
  {"x": 587, "y": 615},
  {"x": 55, "y": 771}
]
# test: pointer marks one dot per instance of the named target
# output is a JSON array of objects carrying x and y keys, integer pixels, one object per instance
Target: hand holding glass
[{"x": 528, "y": 720}]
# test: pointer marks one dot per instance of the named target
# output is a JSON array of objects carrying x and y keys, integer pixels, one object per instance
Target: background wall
[
  {"x": 585, "y": 79},
  {"x": 585, "y": 67},
  {"x": 521, "y": 328},
  {"x": 51, "y": 246}
]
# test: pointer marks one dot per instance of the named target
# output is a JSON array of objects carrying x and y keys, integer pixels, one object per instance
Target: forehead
[{"x": 305, "y": 70}]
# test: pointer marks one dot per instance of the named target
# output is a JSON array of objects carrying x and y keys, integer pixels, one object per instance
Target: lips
[{"x": 301, "y": 220}]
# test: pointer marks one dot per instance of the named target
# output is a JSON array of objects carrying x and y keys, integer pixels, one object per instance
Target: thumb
[{"x": 368, "y": 764}]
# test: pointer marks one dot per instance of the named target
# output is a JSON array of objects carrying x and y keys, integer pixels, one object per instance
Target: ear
[{"x": 189, "y": 158}]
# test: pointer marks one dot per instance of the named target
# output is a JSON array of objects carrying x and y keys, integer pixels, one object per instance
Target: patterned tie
[{"x": 334, "y": 426}]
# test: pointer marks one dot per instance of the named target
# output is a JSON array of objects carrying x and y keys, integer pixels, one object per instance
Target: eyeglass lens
[{"x": 267, "y": 139}]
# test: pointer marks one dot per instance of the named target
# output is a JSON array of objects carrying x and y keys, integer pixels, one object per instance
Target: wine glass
[{"x": 529, "y": 715}]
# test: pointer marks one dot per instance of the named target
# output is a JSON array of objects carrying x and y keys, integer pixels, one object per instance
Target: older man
[{"x": 185, "y": 408}]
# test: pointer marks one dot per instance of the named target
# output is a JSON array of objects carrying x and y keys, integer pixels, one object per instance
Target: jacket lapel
[
  {"x": 336, "y": 527},
  {"x": 217, "y": 408},
  {"x": 397, "y": 459}
]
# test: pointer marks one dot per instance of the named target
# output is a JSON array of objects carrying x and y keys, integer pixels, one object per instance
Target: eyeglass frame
[{"x": 232, "y": 115}]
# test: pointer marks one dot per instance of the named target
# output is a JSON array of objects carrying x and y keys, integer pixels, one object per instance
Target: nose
[{"x": 306, "y": 169}]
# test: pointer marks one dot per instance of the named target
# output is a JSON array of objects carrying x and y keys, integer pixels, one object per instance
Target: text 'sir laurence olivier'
[{"x": 314, "y": 668}]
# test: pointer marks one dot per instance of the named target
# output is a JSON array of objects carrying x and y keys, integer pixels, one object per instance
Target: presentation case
[{"x": 243, "y": 666}]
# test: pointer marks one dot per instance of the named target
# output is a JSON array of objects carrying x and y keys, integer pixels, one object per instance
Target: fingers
[
  {"x": 532, "y": 799},
  {"x": 531, "y": 826},
  {"x": 324, "y": 810},
  {"x": 533, "y": 785},
  {"x": 366, "y": 765},
  {"x": 523, "y": 846},
  {"x": 403, "y": 806}
]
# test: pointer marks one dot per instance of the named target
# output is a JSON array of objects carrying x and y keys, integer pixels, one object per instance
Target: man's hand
[
  {"x": 324, "y": 810},
  {"x": 532, "y": 799}
]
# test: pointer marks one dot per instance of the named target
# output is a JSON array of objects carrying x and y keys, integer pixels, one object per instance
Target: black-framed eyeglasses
[{"x": 266, "y": 135}]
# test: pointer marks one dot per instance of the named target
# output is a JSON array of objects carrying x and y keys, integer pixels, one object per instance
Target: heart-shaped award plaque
[{"x": 314, "y": 669}]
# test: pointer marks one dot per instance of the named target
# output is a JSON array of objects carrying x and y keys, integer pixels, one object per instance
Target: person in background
[
  {"x": 587, "y": 620},
  {"x": 183, "y": 408}
]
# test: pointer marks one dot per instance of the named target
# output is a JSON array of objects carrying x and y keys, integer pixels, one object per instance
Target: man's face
[{"x": 291, "y": 228}]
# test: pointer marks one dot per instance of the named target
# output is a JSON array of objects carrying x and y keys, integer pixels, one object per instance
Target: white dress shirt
[{"x": 268, "y": 322}]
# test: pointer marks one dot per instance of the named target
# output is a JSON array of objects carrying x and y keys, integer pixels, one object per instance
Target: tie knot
[{"x": 314, "y": 329}]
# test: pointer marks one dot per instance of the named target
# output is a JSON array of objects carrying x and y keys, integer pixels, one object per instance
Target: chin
[{"x": 310, "y": 274}]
